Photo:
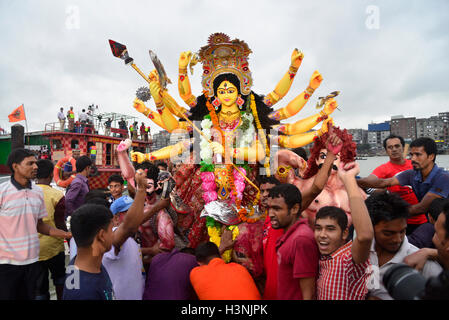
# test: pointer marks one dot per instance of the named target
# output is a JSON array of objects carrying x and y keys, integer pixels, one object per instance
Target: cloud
[{"x": 56, "y": 53}]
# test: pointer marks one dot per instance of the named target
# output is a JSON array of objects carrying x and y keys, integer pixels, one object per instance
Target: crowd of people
[
  {"x": 86, "y": 124},
  {"x": 341, "y": 251}
]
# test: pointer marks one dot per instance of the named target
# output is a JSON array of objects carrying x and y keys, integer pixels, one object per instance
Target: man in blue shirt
[{"x": 427, "y": 180}]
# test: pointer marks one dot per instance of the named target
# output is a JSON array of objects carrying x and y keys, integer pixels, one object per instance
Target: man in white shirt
[
  {"x": 61, "y": 118},
  {"x": 390, "y": 246}
]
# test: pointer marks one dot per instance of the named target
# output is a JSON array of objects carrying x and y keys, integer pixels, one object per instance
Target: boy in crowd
[
  {"x": 79, "y": 187},
  {"x": 116, "y": 185},
  {"x": 52, "y": 252},
  {"x": 389, "y": 215},
  {"x": 422, "y": 236},
  {"x": 297, "y": 252},
  {"x": 343, "y": 265},
  {"x": 91, "y": 225}
]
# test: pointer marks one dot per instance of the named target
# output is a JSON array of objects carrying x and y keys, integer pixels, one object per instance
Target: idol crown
[{"x": 223, "y": 55}]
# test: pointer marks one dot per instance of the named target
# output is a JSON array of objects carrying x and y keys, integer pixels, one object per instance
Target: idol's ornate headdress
[{"x": 222, "y": 56}]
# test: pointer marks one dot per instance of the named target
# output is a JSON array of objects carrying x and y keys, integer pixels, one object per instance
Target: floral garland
[{"x": 214, "y": 231}]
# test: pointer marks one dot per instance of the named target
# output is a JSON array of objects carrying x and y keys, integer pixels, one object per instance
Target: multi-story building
[
  {"x": 404, "y": 127},
  {"x": 359, "y": 136},
  {"x": 432, "y": 127},
  {"x": 377, "y": 132}
]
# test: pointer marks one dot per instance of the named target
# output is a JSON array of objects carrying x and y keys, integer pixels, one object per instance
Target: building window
[
  {"x": 57, "y": 145},
  {"x": 74, "y": 144}
]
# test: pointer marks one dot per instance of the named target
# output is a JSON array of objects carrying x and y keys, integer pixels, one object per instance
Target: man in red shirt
[
  {"x": 344, "y": 266},
  {"x": 270, "y": 237},
  {"x": 394, "y": 146},
  {"x": 297, "y": 252}
]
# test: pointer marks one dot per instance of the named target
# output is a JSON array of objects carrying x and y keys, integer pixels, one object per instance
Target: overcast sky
[{"x": 386, "y": 57}]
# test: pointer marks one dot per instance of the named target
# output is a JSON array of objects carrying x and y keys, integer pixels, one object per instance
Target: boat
[{"x": 56, "y": 144}]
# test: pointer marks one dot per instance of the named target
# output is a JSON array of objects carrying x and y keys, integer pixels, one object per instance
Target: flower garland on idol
[{"x": 236, "y": 180}]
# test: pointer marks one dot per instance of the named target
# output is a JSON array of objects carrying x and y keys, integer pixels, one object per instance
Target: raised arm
[
  {"x": 185, "y": 91},
  {"x": 359, "y": 213},
  {"x": 285, "y": 83},
  {"x": 333, "y": 146},
  {"x": 299, "y": 102}
]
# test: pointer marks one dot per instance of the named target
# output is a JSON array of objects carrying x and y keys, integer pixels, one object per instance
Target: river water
[{"x": 367, "y": 166}]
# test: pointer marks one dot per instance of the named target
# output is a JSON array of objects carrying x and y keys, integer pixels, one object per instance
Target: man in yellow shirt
[{"x": 51, "y": 254}]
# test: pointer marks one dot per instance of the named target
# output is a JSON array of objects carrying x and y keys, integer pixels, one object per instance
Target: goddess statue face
[{"x": 227, "y": 93}]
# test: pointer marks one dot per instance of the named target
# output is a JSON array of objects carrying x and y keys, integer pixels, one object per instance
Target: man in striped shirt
[
  {"x": 22, "y": 209},
  {"x": 344, "y": 266}
]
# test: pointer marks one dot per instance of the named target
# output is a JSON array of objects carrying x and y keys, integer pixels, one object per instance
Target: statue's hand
[
  {"x": 330, "y": 106},
  {"x": 315, "y": 80},
  {"x": 138, "y": 157},
  {"x": 156, "y": 92},
  {"x": 139, "y": 105},
  {"x": 154, "y": 76},
  {"x": 296, "y": 58},
  {"x": 184, "y": 59},
  {"x": 217, "y": 148}
]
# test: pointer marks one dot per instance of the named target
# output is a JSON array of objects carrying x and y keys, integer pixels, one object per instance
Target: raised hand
[
  {"x": 348, "y": 171},
  {"x": 141, "y": 179},
  {"x": 330, "y": 106},
  {"x": 184, "y": 59},
  {"x": 315, "y": 80},
  {"x": 139, "y": 105},
  {"x": 333, "y": 143},
  {"x": 296, "y": 58}
]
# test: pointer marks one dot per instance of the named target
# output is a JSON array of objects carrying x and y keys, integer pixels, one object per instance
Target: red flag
[{"x": 17, "y": 115}]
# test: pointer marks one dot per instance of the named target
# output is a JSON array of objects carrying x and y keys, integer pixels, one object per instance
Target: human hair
[
  {"x": 393, "y": 136},
  {"x": 116, "y": 178},
  {"x": 446, "y": 213},
  {"x": 270, "y": 179},
  {"x": 87, "y": 221},
  {"x": 200, "y": 110},
  {"x": 205, "y": 252},
  {"x": 82, "y": 163},
  {"x": 44, "y": 168},
  {"x": 152, "y": 170},
  {"x": 187, "y": 250},
  {"x": 162, "y": 164},
  {"x": 334, "y": 213},
  {"x": 97, "y": 193},
  {"x": 289, "y": 192},
  {"x": 301, "y": 152},
  {"x": 436, "y": 207},
  {"x": 430, "y": 147},
  {"x": 99, "y": 201},
  {"x": 347, "y": 153},
  {"x": 17, "y": 156},
  {"x": 386, "y": 206}
]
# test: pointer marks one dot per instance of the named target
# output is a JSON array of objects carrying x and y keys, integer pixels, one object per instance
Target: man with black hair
[
  {"x": 427, "y": 180},
  {"x": 423, "y": 235},
  {"x": 394, "y": 146},
  {"x": 91, "y": 225},
  {"x": 297, "y": 252},
  {"x": 52, "y": 252},
  {"x": 269, "y": 239},
  {"x": 79, "y": 187},
  {"x": 162, "y": 166},
  {"x": 441, "y": 241},
  {"x": 22, "y": 209},
  {"x": 215, "y": 279},
  {"x": 343, "y": 265},
  {"x": 116, "y": 185},
  {"x": 389, "y": 215}
]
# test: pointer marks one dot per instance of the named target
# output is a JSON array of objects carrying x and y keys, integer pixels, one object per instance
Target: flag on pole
[{"x": 17, "y": 115}]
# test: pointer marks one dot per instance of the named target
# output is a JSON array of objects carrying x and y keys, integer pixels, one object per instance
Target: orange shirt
[{"x": 223, "y": 281}]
